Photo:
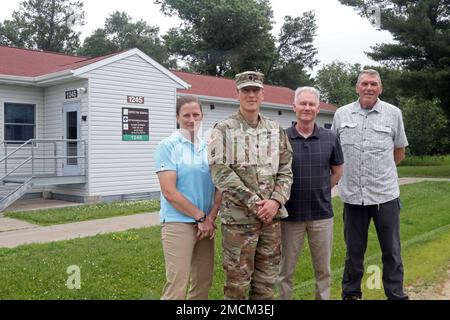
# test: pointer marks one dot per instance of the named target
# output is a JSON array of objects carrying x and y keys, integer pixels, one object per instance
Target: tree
[
  {"x": 336, "y": 82},
  {"x": 98, "y": 44},
  {"x": 425, "y": 126},
  {"x": 295, "y": 46},
  {"x": 221, "y": 37},
  {"x": 390, "y": 78},
  {"x": 121, "y": 33},
  {"x": 3, "y": 39},
  {"x": 291, "y": 75},
  {"x": 44, "y": 24},
  {"x": 421, "y": 29}
]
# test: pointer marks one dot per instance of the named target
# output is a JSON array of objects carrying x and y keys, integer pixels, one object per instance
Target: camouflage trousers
[{"x": 251, "y": 260}]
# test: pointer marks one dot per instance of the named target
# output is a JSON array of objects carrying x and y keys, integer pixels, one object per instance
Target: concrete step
[{"x": 16, "y": 180}]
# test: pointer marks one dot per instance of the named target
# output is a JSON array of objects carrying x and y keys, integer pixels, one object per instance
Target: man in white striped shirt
[{"x": 373, "y": 140}]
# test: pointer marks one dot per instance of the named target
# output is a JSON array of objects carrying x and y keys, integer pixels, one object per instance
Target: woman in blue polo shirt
[{"x": 189, "y": 206}]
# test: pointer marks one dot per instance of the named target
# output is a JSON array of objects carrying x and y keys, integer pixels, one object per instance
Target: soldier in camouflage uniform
[{"x": 250, "y": 158}]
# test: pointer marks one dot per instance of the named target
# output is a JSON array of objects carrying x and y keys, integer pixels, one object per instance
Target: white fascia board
[
  {"x": 181, "y": 84},
  {"x": 235, "y": 102},
  {"x": 212, "y": 99},
  {"x": 54, "y": 77},
  {"x": 36, "y": 81},
  {"x": 17, "y": 80},
  {"x": 325, "y": 111}
]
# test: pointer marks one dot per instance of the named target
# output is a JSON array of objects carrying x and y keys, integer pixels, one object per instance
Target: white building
[
  {"x": 219, "y": 100},
  {"x": 85, "y": 129}
]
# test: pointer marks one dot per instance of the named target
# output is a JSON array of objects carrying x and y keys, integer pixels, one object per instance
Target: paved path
[
  {"x": 29, "y": 233},
  {"x": 402, "y": 181},
  {"x": 33, "y": 204},
  {"x": 7, "y": 224},
  {"x": 14, "y": 233}
]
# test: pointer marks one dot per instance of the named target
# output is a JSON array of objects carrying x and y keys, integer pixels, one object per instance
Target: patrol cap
[{"x": 249, "y": 79}]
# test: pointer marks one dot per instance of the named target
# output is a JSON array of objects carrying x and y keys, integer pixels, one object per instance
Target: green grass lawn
[
  {"x": 85, "y": 212},
  {"x": 427, "y": 166},
  {"x": 425, "y": 208},
  {"x": 130, "y": 265},
  {"x": 410, "y": 167}
]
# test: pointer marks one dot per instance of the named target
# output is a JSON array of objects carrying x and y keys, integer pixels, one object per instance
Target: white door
[{"x": 71, "y": 127}]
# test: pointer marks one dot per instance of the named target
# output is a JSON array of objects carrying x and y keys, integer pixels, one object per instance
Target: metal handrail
[
  {"x": 33, "y": 141},
  {"x": 34, "y": 157},
  {"x": 16, "y": 168},
  {"x": 17, "y": 149},
  {"x": 51, "y": 158}
]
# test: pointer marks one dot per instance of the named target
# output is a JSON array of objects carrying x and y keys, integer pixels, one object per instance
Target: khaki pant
[
  {"x": 320, "y": 239},
  {"x": 186, "y": 258}
]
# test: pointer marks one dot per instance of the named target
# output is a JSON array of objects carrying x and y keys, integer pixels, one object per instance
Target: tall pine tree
[
  {"x": 421, "y": 29},
  {"x": 295, "y": 52}
]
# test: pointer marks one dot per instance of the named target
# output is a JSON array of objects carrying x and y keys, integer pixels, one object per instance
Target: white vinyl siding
[
  {"x": 25, "y": 95},
  {"x": 223, "y": 111},
  {"x": 54, "y": 128},
  {"x": 116, "y": 167},
  {"x": 125, "y": 167}
]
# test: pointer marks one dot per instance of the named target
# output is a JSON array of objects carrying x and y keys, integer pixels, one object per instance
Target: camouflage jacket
[{"x": 249, "y": 165}]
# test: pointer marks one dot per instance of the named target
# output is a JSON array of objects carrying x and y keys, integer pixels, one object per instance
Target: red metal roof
[
  {"x": 33, "y": 63},
  {"x": 226, "y": 88}
]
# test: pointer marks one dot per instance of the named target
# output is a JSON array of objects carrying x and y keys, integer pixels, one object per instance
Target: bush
[
  {"x": 426, "y": 126},
  {"x": 426, "y": 161}
]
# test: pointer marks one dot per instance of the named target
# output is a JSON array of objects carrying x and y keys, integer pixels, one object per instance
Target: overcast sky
[{"x": 342, "y": 35}]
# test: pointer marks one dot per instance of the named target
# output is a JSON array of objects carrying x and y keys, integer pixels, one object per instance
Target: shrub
[{"x": 426, "y": 126}]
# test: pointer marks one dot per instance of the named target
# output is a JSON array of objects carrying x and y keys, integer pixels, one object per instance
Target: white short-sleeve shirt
[{"x": 368, "y": 141}]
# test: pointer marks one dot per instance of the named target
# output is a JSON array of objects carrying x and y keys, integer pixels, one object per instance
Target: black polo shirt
[{"x": 311, "y": 192}]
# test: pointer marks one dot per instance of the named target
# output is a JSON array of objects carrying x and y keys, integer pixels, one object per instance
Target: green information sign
[
  {"x": 133, "y": 137},
  {"x": 135, "y": 124}
]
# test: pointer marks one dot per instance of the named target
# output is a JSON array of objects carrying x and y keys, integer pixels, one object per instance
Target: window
[
  {"x": 20, "y": 122},
  {"x": 327, "y": 125}
]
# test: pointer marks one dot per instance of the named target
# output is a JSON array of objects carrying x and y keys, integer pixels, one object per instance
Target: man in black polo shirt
[{"x": 317, "y": 166}]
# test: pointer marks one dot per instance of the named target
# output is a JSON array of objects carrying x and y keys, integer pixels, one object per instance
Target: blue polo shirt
[{"x": 176, "y": 153}]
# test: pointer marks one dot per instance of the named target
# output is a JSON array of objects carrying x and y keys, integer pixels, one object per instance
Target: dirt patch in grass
[{"x": 423, "y": 291}]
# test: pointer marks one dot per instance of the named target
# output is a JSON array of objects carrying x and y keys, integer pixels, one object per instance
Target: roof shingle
[{"x": 34, "y": 63}]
